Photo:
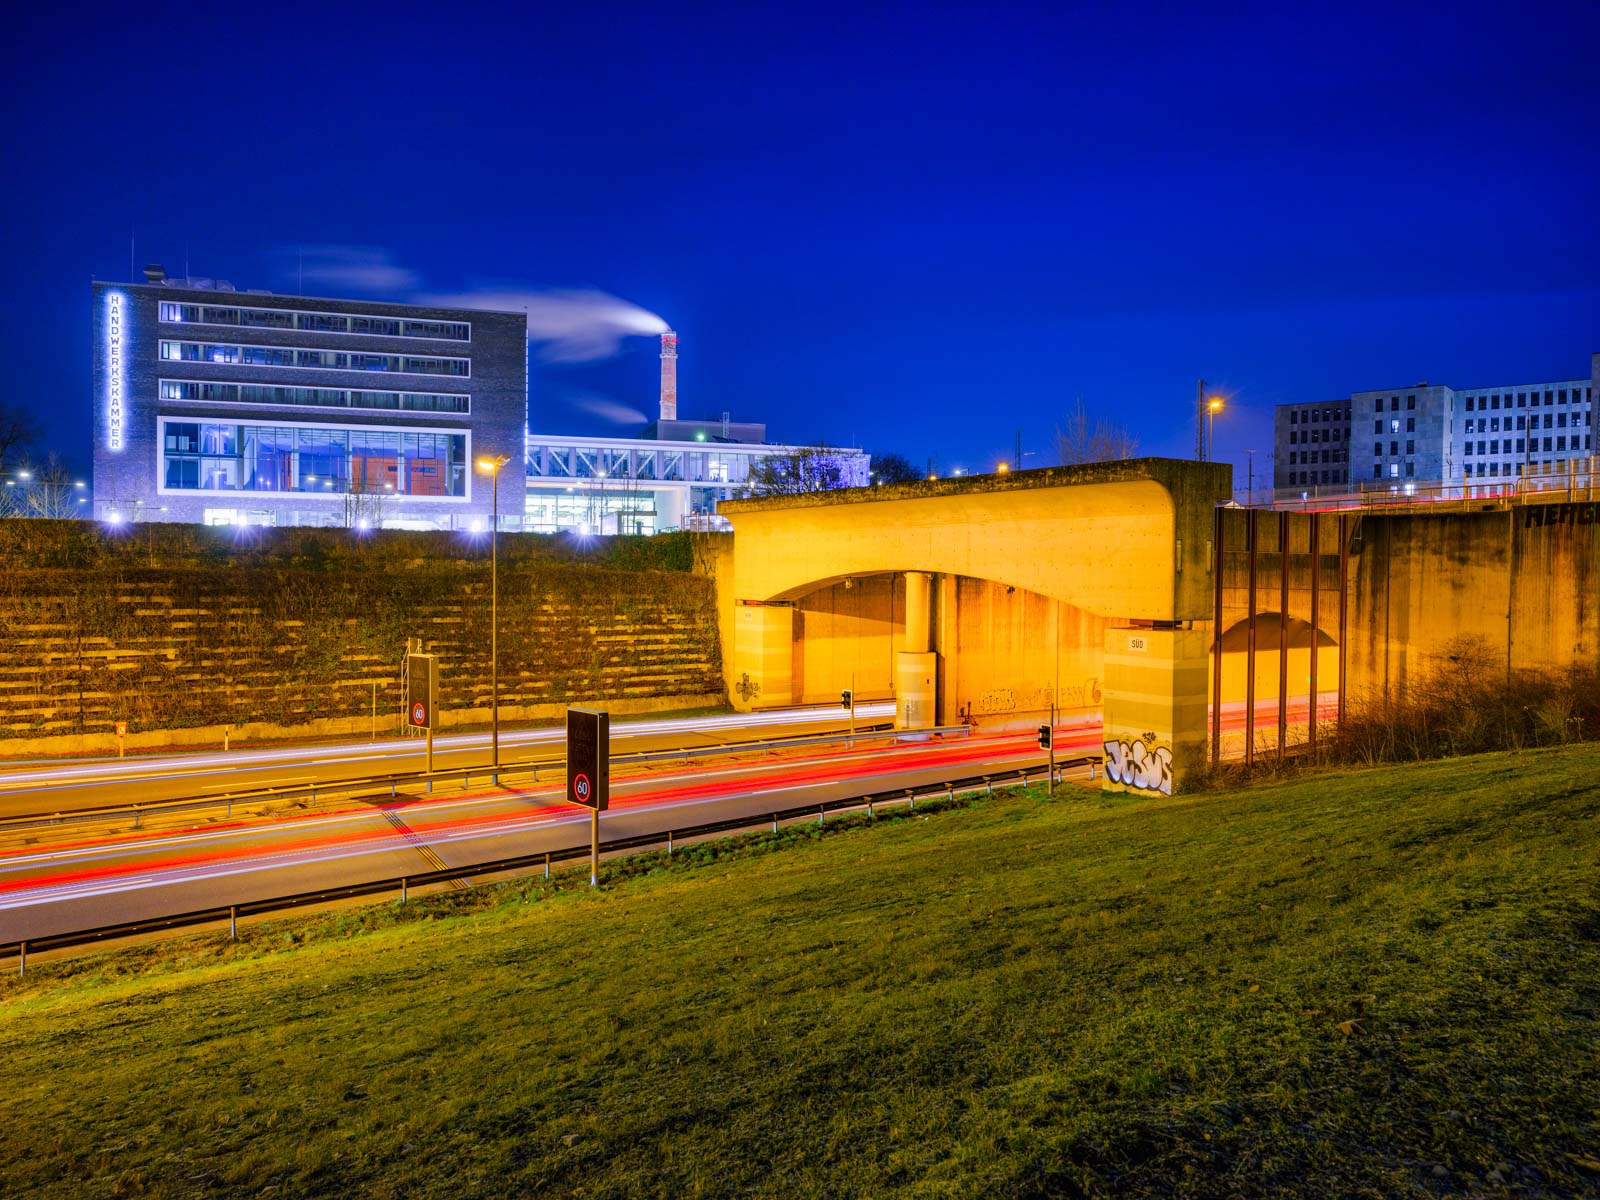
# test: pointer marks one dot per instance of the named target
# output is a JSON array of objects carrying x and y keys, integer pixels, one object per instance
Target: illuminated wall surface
[
  {"x": 1057, "y": 594},
  {"x": 224, "y": 407},
  {"x": 299, "y": 625}
]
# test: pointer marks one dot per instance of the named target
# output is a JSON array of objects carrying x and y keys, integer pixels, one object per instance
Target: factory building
[
  {"x": 671, "y": 476},
  {"x": 218, "y": 406},
  {"x": 1427, "y": 437}
]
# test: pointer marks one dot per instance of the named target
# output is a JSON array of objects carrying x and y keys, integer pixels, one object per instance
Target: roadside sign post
[
  {"x": 1047, "y": 741},
  {"x": 589, "y": 772},
  {"x": 847, "y": 699},
  {"x": 422, "y": 695},
  {"x": 122, "y": 732}
]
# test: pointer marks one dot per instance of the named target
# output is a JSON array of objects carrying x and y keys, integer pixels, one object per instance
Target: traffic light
[
  {"x": 1044, "y": 737},
  {"x": 847, "y": 699}
]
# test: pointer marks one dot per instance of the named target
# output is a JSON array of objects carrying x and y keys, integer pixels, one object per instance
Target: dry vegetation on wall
[
  {"x": 1471, "y": 702},
  {"x": 1468, "y": 702},
  {"x": 175, "y": 626}
]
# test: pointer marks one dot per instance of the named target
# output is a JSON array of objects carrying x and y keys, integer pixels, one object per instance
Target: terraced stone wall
[{"x": 167, "y": 627}]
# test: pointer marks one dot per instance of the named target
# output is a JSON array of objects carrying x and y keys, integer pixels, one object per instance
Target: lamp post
[
  {"x": 491, "y": 467},
  {"x": 1213, "y": 407}
]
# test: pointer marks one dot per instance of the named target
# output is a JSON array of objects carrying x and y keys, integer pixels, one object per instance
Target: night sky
[{"x": 915, "y": 229}]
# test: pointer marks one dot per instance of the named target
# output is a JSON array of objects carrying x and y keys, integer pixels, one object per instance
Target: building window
[
  {"x": 361, "y": 324},
  {"x": 1394, "y": 425},
  {"x": 1411, "y": 446},
  {"x": 319, "y": 360},
  {"x": 1411, "y": 470},
  {"x": 307, "y": 397},
  {"x": 215, "y": 456},
  {"x": 1411, "y": 424},
  {"x": 1394, "y": 470},
  {"x": 1411, "y": 402}
]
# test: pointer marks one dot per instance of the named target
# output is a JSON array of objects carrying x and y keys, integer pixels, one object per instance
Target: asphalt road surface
[
  {"x": 45, "y": 890},
  {"x": 29, "y": 789}
]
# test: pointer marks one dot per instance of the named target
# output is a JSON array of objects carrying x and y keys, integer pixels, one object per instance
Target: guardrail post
[
  {"x": 391, "y": 789},
  {"x": 233, "y": 923},
  {"x": 547, "y": 866},
  {"x": 822, "y": 813},
  {"x": 403, "y": 891},
  {"x": 988, "y": 786},
  {"x": 230, "y": 808},
  {"x": 869, "y": 808},
  {"x": 669, "y": 843},
  {"x": 136, "y": 818},
  {"x": 774, "y": 822},
  {"x": 22, "y": 959},
  {"x": 950, "y": 792}
]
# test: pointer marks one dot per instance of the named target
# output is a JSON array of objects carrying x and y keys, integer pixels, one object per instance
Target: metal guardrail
[
  {"x": 521, "y": 863},
  {"x": 394, "y": 780}
]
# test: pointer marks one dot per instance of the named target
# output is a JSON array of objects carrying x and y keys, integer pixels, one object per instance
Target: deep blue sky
[{"x": 912, "y": 229}]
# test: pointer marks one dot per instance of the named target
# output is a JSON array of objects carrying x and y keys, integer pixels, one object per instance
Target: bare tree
[
  {"x": 1082, "y": 440},
  {"x": 40, "y": 491},
  {"x": 18, "y": 431},
  {"x": 806, "y": 469}
]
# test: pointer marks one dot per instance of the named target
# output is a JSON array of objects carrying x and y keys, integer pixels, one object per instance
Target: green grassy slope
[{"x": 1379, "y": 983}]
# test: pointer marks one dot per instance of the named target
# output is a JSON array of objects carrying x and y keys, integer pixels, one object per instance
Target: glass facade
[
  {"x": 173, "y": 313},
  {"x": 252, "y": 393},
  {"x": 213, "y": 456},
  {"x": 313, "y": 360}
]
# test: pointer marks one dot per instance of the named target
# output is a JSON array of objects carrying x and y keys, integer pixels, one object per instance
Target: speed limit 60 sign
[
  {"x": 589, "y": 757},
  {"x": 422, "y": 690}
]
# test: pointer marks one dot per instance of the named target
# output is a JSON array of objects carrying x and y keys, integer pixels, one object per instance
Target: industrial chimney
[{"x": 669, "y": 376}]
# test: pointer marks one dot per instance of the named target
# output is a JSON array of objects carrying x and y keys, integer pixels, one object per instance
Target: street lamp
[
  {"x": 491, "y": 467},
  {"x": 1213, "y": 407}
]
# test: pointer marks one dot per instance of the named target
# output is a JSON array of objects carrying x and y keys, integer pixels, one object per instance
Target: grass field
[{"x": 1360, "y": 983}]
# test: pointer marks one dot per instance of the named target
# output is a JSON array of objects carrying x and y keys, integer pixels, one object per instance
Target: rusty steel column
[
  {"x": 1250, "y": 646},
  {"x": 1344, "y": 610},
  {"x": 1216, "y": 640},
  {"x": 1283, "y": 633},
  {"x": 1316, "y": 629}
]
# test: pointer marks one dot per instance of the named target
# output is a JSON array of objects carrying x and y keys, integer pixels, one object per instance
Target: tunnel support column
[
  {"x": 1155, "y": 708},
  {"x": 916, "y": 674},
  {"x": 763, "y": 656}
]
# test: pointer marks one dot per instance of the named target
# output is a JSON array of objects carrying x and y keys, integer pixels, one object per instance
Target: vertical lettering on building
[{"x": 114, "y": 371}]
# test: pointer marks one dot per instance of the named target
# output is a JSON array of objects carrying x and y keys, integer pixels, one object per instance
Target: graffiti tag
[
  {"x": 1561, "y": 514},
  {"x": 747, "y": 688},
  {"x": 1140, "y": 767}
]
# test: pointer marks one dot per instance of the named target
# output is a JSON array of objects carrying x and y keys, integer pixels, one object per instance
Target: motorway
[
  {"x": 29, "y": 788},
  {"x": 45, "y": 890}
]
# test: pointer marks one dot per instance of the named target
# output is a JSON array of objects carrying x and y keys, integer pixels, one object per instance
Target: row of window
[
  {"x": 261, "y": 393},
  {"x": 1514, "y": 468},
  {"x": 213, "y": 456},
  {"x": 314, "y": 360},
  {"x": 1316, "y": 415},
  {"x": 1310, "y": 456},
  {"x": 314, "y": 322},
  {"x": 1559, "y": 422},
  {"x": 1528, "y": 399},
  {"x": 1302, "y": 478},
  {"x": 1560, "y": 445},
  {"x": 1304, "y": 437},
  {"x": 1394, "y": 448}
]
